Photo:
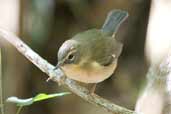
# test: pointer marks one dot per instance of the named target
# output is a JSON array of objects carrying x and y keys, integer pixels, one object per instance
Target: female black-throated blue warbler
[{"x": 91, "y": 56}]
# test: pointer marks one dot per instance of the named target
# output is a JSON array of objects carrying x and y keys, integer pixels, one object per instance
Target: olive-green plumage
[
  {"x": 91, "y": 56},
  {"x": 97, "y": 46}
]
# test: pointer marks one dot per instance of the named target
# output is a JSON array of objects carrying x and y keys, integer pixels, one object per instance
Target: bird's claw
[
  {"x": 50, "y": 78},
  {"x": 57, "y": 77},
  {"x": 60, "y": 79}
]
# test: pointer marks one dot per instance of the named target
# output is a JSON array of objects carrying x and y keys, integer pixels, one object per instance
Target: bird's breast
[{"x": 92, "y": 73}]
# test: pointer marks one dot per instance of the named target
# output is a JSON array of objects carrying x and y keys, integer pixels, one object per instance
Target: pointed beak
[{"x": 58, "y": 65}]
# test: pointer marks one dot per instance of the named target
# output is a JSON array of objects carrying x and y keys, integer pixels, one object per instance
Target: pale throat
[{"x": 92, "y": 73}]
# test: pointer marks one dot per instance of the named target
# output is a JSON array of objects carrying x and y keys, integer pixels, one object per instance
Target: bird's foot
[
  {"x": 92, "y": 88},
  {"x": 54, "y": 78},
  {"x": 57, "y": 76}
]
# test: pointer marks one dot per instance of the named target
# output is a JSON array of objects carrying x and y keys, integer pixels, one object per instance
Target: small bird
[{"x": 91, "y": 56}]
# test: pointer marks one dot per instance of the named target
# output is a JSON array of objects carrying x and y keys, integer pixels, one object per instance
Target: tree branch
[{"x": 58, "y": 75}]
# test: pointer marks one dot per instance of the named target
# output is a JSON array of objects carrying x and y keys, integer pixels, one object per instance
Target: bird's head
[{"x": 68, "y": 53}]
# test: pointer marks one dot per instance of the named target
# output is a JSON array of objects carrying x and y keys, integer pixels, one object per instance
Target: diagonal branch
[{"x": 58, "y": 75}]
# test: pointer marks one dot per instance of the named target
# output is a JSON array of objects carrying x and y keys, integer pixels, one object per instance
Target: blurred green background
[{"x": 45, "y": 24}]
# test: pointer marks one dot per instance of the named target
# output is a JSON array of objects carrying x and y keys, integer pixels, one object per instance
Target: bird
[{"x": 91, "y": 56}]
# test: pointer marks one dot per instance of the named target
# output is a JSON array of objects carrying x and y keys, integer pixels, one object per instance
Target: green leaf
[
  {"x": 43, "y": 96},
  {"x": 39, "y": 97}
]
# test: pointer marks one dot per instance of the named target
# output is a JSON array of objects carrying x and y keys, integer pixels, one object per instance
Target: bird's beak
[{"x": 58, "y": 65}]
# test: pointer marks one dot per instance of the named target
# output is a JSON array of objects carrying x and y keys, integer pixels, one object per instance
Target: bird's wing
[
  {"x": 110, "y": 52},
  {"x": 106, "y": 61}
]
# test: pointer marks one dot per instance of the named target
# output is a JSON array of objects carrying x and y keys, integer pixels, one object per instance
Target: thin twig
[
  {"x": 19, "y": 110},
  {"x": 1, "y": 85},
  {"x": 58, "y": 75}
]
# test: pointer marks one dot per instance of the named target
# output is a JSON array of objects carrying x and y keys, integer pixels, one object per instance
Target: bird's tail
[{"x": 113, "y": 21}]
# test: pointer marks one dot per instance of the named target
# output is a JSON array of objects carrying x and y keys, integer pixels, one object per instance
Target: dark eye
[{"x": 71, "y": 57}]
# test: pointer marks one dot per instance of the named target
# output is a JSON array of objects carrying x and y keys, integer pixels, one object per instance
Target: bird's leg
[{"x": 92, "y": 88}]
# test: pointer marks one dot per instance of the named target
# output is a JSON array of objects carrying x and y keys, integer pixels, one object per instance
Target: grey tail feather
[{"x": 113, "y": 21}]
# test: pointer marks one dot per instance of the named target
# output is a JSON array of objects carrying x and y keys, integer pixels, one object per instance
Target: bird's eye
[{"x": 71, "y": 57}]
